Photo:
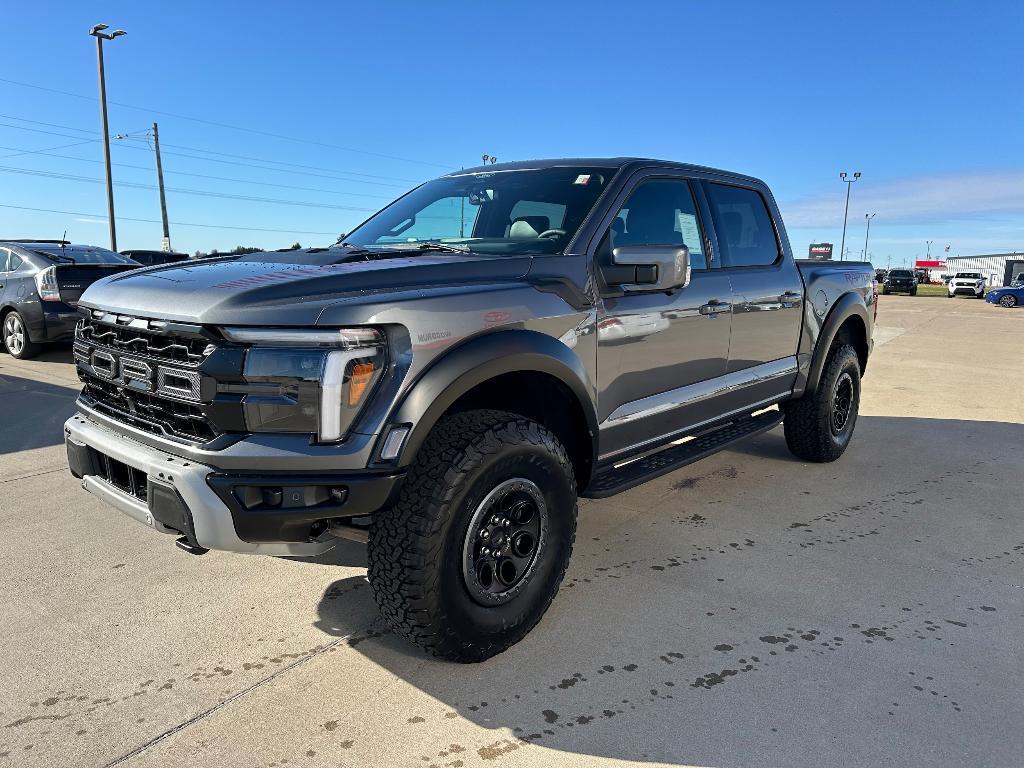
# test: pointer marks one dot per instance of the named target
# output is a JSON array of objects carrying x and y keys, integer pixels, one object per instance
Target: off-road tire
[
  {"x": 809, "y": 421},
  {"x": 25, "y": 348},
  {"x": 415, "y": 551}
]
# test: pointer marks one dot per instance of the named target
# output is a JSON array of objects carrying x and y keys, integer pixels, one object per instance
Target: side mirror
[{"x": 649, "y": 267}]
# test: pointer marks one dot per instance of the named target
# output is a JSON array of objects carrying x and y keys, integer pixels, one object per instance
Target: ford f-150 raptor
[{"x": 448, "y": 380}]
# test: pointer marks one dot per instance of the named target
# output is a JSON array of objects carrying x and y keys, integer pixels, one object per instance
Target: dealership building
[{"x": 998, "y": 268}]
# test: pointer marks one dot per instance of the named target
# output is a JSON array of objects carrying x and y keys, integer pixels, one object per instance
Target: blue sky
[{"x": 347, "y": 105}]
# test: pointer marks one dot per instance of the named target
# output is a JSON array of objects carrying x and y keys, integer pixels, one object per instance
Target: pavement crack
[
  {"x": 34, "y": 474},
  {"x": 231, "y": 699}
]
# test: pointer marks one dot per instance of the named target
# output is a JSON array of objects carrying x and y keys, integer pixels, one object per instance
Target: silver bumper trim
[{"x": 211, "y": 519}]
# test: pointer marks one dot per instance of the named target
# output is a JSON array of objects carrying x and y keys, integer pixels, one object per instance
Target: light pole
[
  {"x": 97, "y": 32},
  {"x": 928, "y": 255},
  {"x": 867, "y": 217},
  {"x": 842, "y": 175}
]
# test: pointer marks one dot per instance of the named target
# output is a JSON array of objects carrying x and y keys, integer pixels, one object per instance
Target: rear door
[
  {"x": 659, "y": 352},
  {"x": 766, "y": 285}
]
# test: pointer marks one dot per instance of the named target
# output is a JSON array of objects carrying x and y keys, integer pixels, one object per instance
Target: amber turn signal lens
[{"x": 362, "y": 375}]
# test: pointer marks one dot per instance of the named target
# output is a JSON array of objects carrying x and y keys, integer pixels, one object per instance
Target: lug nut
[
  {"x": 485, "y": 534},
  {"x": 484, "y": 551},
  {"x": 496, "y": 520}
]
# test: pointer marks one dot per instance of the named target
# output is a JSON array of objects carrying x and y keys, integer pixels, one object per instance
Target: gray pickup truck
[{"x": 446, "y": 382}]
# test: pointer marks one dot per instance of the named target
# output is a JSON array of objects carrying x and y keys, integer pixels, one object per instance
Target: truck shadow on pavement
[
  {"x": 746, "y": 610},
  {"x": 32, "y": 413}
]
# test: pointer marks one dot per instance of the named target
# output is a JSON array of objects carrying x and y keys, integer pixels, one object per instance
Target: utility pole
[
  {"x": 842, "y": 175},
  {"x": 160, "y": 181},
  {"x": 97, "y": 32},
  {"x": 928, "y": 256},
  {"x": 867, "y": 218}
]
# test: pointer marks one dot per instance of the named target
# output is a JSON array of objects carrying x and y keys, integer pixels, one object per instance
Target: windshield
[
  {"x": 969, "y": 275},
  {"x": 900, "y": 273},
  {"x": 81, "y": 254},
  {"x": 500, "y": 212}
]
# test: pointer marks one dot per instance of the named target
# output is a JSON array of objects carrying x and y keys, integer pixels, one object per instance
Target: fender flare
[
  {"x": 481, "y": 359},
  {"x": 849, "y": 305}
]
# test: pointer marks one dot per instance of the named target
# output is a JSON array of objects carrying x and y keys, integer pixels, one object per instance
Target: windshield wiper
[
  {"x": 436, "y": 246},
  {"x": 56, "y": 256}
]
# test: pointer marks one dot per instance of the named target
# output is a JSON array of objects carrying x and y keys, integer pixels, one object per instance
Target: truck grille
[
  {"x": 149, "y": 412},
  {"x": 139, "y": 374},
  {"x": 132, "y": 340}
]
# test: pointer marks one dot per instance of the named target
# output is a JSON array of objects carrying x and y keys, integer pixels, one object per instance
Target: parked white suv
[{"x": 967, "y": 284}]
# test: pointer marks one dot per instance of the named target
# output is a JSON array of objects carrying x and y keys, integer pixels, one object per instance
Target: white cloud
[
  {"x": 923, "y": 199},
  {"x": 92, "y": 221}
]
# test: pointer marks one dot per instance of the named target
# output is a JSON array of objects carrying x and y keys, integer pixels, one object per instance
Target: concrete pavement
[{"x": 747, "y": 610}]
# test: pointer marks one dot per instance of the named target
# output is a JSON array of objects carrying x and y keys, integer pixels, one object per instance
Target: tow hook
[{"x": 188, "y": 546}]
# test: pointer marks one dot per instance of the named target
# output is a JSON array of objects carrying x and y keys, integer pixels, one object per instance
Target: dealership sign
[{"x": 820, "y": 251}]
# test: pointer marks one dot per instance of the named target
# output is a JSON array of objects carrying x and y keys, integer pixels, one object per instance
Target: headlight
[{"x": 308, "y": 380}]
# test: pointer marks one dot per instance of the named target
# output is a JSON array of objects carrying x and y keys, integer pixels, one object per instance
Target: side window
[
  {"x": 661, "y": 212},
  {"x": 745, "y": 232},
  {"x": 3, "y": 259},
  {"x": 15, "y": 262}
]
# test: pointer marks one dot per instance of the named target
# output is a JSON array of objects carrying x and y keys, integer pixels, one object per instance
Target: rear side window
[
  {"x": 15, "y": 262},
  {"x": 745, "y": 232},
  {"x": 3, "y": 259}
]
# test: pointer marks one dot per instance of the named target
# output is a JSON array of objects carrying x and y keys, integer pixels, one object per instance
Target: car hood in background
[{"x": 289, "y": 288}]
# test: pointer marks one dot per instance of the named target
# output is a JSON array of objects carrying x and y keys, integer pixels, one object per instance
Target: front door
[{"x": 656, "y": 350}]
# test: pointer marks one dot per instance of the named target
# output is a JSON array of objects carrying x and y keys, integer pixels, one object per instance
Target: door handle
[{"x": 715, "y": 307}]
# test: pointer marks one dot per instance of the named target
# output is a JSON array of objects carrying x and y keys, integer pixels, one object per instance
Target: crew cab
[
  {"x": 967, "y": 284},
  {"x": 446, "y": 382},
  {"x": 40, "y": 284}
]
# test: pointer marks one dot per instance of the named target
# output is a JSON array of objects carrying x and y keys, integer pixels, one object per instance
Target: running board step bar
[{"x": 612, "y": 480}]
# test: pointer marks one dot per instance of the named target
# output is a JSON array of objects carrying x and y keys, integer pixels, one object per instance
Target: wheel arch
[
  {"x": 523, "y": 372},
  {"x": 847, "y": 323}
]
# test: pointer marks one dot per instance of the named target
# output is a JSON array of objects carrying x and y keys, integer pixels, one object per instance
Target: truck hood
[{"x": 290, "y": 288}]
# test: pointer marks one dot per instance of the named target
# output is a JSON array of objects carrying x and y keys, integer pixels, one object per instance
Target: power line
[
  {"x": 196, "y": 192},
  {"x": 17, "y": 151},
  {"x": 232, "y": 127},
  {"x": 48, "y": 150},
  {"x": 176, "y": 223},
  {"x": 278, "y": 162},
  {"x": 227, "y": 162},
  {"x": 143, "y": 135}
]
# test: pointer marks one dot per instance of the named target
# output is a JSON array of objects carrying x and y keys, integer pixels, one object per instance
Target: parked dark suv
[
  {"x": 900, "y": 281},
  {"x": 40, "y": 282}
]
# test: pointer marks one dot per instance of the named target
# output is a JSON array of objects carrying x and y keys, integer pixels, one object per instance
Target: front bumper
[
  {"x": 205, "y": 504},
  {"x": 965, "y": 290}
]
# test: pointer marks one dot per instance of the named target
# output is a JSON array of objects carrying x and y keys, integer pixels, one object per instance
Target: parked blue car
[{"x": 1012, "y": 296}]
